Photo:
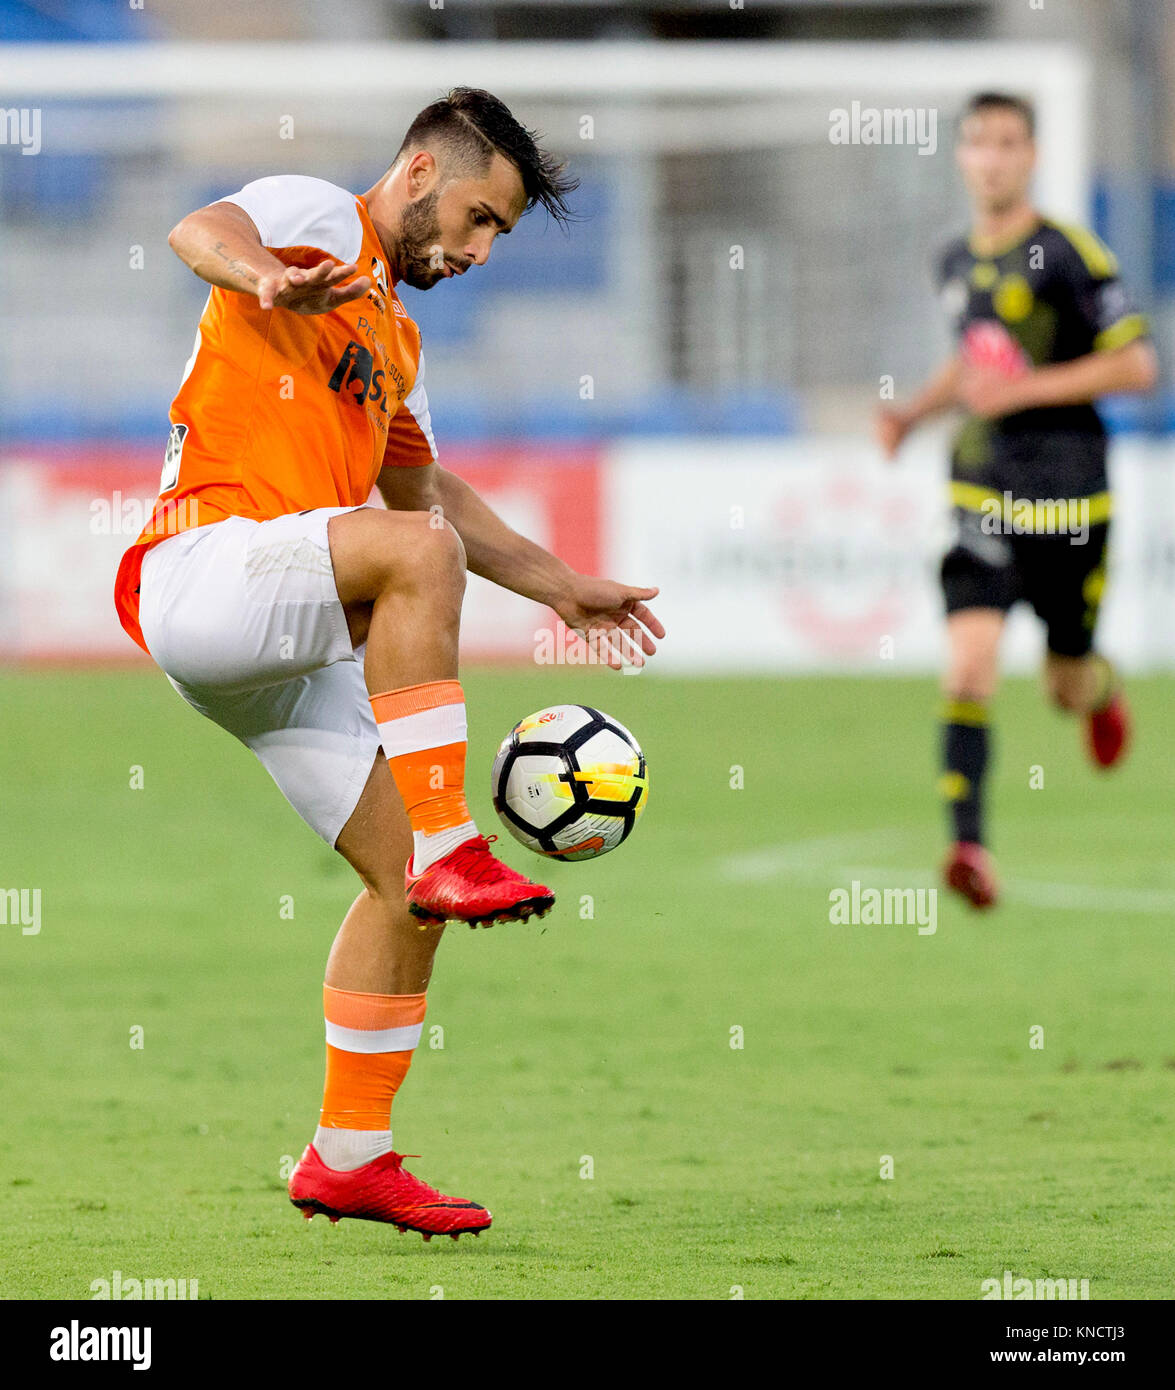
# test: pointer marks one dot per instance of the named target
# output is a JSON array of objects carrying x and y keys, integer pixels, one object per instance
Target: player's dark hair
[
  {"x": 470, "y": 125},
  {"x": 1001, "y": 101}
]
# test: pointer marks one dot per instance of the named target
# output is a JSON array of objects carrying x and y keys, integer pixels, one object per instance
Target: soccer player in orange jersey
[{"x": 322, "y": 632}]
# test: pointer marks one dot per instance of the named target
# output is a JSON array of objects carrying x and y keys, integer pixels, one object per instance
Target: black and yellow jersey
[{"x": 1051, "y": 296}]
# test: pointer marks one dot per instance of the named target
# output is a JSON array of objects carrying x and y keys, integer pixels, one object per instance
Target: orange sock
[
  {"x": 422, "y": 728},
  {"x": 370, "y": 1039}
]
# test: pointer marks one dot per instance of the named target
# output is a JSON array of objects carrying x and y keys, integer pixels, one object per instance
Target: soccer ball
[{"x": 569, "y": 782}]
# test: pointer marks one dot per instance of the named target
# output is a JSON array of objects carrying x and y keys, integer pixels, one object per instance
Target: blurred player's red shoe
[
  {"x": 470, "y": 885},
  {"x": 1108, "y": 732},
  {"x": 969, "y": 871},
  {"x": 382, "y": 1191}
]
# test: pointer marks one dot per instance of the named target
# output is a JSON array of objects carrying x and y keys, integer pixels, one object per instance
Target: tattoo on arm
[{"x": 235, "y": 267}]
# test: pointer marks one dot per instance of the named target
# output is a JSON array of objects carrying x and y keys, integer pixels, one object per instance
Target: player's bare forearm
[
  {"x": 1132, "y": 368},
  {"x": 614, "y": 618},
  {"x": 938, "y": 394},
  {"x": 496, "y": 551},
  {"x": 991, "y": 394},
  {"x": 492, "y": 549},
  {"x": 220, "y": 244}
]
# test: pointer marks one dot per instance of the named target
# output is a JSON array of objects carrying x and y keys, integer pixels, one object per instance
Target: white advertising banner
[
  {"x": 790, "y": 555},
  {"x": 66, "y": 517},
  {"x": 815, "y": 555}
]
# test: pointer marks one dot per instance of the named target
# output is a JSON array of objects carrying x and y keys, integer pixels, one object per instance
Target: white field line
[
  {"x": 797, "y": 859},
  {"x": 828, "y": 860},
  {"x": 1087, "y": 898}
]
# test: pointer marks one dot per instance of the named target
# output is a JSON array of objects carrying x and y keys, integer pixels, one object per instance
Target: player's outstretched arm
[
  {"x": 1133, "y": 367},
  {"x": 612, "y": 617},
  {"x": 893, "y": 423},
  {"x": 221, "y": 244}
]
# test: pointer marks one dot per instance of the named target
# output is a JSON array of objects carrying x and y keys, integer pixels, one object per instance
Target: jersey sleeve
[
  {"x": 410, "y": 438},
  {"x": 295, "y": 210},
  {"x": 1103, "y": 304},
  {"x": 944, "y": 264},
  {"x": 950, "y": 284}
]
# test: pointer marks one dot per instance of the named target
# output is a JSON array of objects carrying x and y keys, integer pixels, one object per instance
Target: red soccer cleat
[
  {"x": 1107, "y": 732},
  {"x": 470, "y": 885},
  {"x": 381, "y": 1191},
  {"x": 970, "y": 872}
]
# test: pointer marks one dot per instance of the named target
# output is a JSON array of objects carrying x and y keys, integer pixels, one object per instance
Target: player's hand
[
  {"x": 890, "y": 427},
  {"x": 990, "y": 393},
  {"x": 613, "y": 620},
  {"x": 314, "y": 290}
]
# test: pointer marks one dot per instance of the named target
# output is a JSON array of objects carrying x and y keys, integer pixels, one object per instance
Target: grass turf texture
[{"x": 608, "y": 1037}]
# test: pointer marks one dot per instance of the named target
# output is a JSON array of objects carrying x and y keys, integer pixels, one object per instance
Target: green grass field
[{"x": 715, "y": 1168}]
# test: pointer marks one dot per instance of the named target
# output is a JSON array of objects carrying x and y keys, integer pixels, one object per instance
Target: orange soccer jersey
[{"x": 281, "y": 412}]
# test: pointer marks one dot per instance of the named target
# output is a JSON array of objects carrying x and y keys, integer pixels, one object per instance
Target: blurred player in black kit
[{"x": 1044, "y": 328}]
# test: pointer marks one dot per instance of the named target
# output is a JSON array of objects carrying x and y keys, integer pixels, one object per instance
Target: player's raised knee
[
  {"x": 434, "y": 551},
  {"x": 373, "y": 550}
]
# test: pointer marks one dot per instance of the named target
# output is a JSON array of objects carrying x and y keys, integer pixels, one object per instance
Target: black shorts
[{"x": 1063, "y": 581}]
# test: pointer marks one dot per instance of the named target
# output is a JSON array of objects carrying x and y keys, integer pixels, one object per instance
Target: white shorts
[{"x": 245, "y": 619}]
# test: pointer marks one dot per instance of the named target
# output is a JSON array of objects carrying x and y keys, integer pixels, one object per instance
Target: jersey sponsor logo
[
  {"x": 358, "y": 378},
  {"x": 366, "y": 327},
  {"x": 354, "y": 372},
  {"x": 987, "y": 343}
]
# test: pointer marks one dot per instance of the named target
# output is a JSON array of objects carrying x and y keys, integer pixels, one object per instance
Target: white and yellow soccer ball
[{"x": 570, "y": 782}]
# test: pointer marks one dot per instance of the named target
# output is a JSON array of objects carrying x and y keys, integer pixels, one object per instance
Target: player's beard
[
  {"x": 1002, "y": 201},
  {"x": 420, "y": 243},
  {"x": 1004, "y": 197}
]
